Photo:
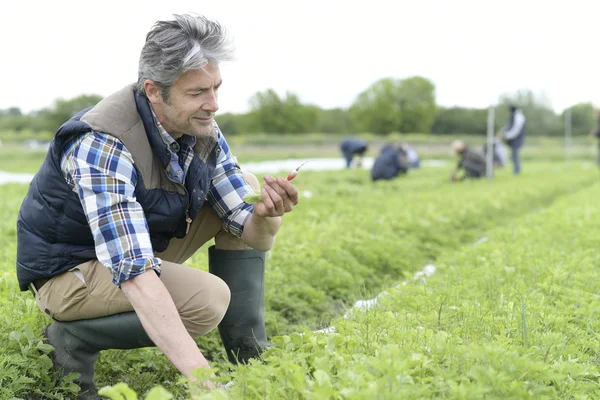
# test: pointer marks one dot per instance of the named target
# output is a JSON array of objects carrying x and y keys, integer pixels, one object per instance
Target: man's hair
[
  {"x": 175, "y": 47},
  {"x": 512, "y": 107}
]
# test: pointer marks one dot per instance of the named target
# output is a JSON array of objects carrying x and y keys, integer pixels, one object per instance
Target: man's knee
[{"x": 206, "y": 309}]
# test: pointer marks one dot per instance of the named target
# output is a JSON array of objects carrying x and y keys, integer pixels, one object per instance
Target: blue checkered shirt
[{"x": 100, "y": 169}]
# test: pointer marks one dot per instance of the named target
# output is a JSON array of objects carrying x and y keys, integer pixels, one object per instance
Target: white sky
[{"x": 326, "y": 51}]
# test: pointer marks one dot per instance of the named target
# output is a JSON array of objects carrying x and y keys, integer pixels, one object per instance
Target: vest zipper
[{"x": 188, "y": 220}]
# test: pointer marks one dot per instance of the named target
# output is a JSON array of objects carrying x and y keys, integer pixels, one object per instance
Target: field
[{"x": 511, "y": 312}]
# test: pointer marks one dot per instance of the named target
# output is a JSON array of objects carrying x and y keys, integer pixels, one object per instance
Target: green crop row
[
  {"x": 513, "y": 317},
  {"x": 349, "y": 238}
]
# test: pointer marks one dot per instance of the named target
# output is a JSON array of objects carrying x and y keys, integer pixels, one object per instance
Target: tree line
[{"x": 388, "y": 105}]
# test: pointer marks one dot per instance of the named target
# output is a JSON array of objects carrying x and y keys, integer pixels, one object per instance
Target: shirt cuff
[
  {"x": 235, "y": 223},
  {"x": 128, "y": 269}
]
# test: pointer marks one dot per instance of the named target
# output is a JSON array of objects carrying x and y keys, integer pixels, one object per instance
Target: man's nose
[{"x": 212, "y": 103}]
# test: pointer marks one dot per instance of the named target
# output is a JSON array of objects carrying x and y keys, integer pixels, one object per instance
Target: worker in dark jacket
[
  {"x": 353, "y": 147},
  {"x": 390, "y": 163},
  {"x": 471, "y": 162}
]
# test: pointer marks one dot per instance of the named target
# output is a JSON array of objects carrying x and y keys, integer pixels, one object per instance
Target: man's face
[{"x": 192, "y": 102}]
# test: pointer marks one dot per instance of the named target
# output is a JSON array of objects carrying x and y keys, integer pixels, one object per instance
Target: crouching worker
[
  {"x": 390, "y": 163},
  {"x": 131, "y": 189},
  {"x": 353, "y": 147},
  {"x": 471, "y": 162}
]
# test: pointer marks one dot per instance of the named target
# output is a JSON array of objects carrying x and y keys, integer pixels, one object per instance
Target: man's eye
[{"x": 196, "y": 94}]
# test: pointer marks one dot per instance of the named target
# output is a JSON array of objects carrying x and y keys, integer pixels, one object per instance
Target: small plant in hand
[{"x": 251, "y": 198}]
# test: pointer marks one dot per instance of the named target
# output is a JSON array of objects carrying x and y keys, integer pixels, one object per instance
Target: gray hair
[{"x": 175, "y": 47}]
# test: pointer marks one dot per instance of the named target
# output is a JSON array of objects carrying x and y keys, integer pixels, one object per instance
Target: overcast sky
[{"x": 325, "y": 51}]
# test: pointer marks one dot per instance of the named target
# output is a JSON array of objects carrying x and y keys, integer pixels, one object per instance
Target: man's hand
[
  {"x": 279, "y": 197},
  {"x": 154, "y": 306}
]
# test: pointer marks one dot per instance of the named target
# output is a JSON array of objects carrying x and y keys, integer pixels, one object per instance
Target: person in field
[
  {"x": 471, "y": 163},
  {"x": 411, "y": 155},
  {"x": 498, "y": 151},
  {"x": 351, "y": 148},
  {"x": 389, "y": 163},
  {"x": 596, "y": 133},
  {"x": 514, "y": 135},
  {"x": 130, "y": 189}
]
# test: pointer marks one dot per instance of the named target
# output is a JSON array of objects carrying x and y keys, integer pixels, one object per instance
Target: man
[
  {"x": 353, "y": 147},
  {"x": 129, "y": 190},
  {"x": 471, "y": 162},
  {"x": 389, "y": 164},
  {"x": 596, "y": 133},
  {"x": 514, "y": 135}
]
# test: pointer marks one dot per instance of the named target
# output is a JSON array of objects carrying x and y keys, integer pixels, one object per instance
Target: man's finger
[
  {"x": 290, "y": 189},
  {"x": 267, "y": 199},
  {"x": 276, "y": 185},
  {"x": 276, "y": 199}
]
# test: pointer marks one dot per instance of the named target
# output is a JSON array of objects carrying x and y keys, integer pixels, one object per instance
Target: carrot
[{"x": 252, "y": 198}]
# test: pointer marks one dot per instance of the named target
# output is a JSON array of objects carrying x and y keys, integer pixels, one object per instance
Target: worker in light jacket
[{"x": 514, "y": 136}]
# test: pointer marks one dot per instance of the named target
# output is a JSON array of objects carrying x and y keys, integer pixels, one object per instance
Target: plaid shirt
[{"x": 100, "y": 169}]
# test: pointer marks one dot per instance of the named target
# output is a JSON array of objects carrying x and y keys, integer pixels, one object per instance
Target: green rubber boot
[
  {"x": 242, "y": 330},
  {"x": 78, "y": 344}
]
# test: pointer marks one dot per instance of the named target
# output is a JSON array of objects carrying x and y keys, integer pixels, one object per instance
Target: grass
[{"x": 502, "y": 319}]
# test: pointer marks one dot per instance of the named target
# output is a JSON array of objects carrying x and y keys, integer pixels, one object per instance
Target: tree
[
  {"x": 229, "y": 123},
  {"x": 377, "y": 109},
  {"x": 272, "y": 114},
  {"x": 16, "y": 123},
  {"x": 335, "y": 120},
  {"x": 417, "y": 104},
  {"x": 390, "y": 105},
  {"x": 63, "y": 110},
  {"x": 459, "y": 120},
  {"x": 583, "y": 118}
]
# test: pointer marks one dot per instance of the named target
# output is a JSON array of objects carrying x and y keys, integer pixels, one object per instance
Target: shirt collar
[{"x": 168, "y": 139}]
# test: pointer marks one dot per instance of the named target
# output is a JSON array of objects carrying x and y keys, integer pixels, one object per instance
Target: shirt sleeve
[
  {"x": 101, "y": 171},
  {"x": 227, "y": 189}
]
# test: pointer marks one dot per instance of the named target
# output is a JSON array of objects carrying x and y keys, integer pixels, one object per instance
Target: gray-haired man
[{"x": 129, "y": 190}]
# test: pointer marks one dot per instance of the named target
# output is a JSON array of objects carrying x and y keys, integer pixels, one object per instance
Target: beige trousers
[{"x": 201, "y": 298}]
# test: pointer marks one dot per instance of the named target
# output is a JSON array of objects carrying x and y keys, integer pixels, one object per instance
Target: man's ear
[{"x": 152, "y": 91}]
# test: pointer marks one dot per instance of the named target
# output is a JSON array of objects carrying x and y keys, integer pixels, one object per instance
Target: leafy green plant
[{"x": 511, "y": 317}]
